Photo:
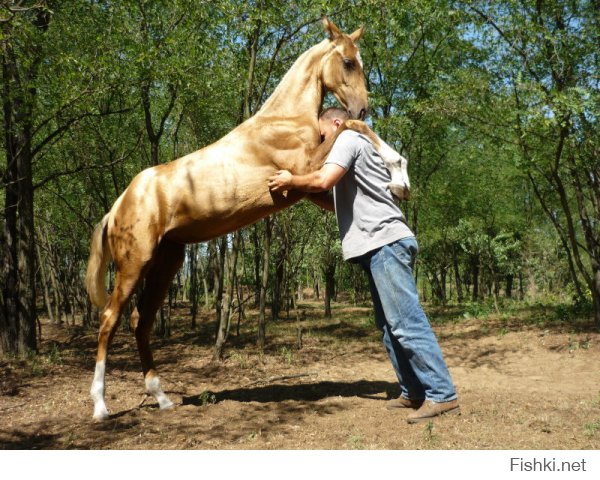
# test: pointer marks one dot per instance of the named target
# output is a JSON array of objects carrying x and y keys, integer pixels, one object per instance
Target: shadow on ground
[{"x": 301, "y": 392}]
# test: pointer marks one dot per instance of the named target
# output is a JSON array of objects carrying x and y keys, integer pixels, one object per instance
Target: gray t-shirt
[{"x": 367, "y": 215}]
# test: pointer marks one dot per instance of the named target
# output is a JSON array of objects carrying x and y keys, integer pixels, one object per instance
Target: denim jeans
[{"x": 410, "y": 343}]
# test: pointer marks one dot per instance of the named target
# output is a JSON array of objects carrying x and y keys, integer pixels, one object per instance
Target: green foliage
[
  {"x": 207, "y": 398},
  {"x": 495, "y": 105}
]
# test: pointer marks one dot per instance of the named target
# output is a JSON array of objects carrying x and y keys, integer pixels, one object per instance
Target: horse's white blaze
[
  {"x": 97, "y": 392},
  {"x": 359, "y": 58},
  {"x": 153, "y": 388}
]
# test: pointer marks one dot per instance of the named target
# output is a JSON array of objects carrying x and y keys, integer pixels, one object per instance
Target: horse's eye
[{"x": 348, "y": 63}]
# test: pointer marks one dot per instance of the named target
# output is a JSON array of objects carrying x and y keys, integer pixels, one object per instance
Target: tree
[
  {"x": 546, "y": 53},
  {"x": 23, "y": 38}
]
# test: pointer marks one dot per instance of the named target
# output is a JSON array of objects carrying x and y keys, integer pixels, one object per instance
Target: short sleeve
[{"x": 344, "y": 150}]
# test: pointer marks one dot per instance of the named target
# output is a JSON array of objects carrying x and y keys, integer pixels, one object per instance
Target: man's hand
[{"x": 281, "y": 181}]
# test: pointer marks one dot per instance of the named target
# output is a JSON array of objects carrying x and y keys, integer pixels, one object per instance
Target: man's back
[{"x": 367, "y": 214}]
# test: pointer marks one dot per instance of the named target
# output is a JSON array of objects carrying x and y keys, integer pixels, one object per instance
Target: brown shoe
[
  {"x": 431, "y": 409},
  {"x": 403, "y": 402}
]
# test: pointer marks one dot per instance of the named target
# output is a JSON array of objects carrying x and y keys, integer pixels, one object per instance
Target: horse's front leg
[{"x": 394, "y": 162}]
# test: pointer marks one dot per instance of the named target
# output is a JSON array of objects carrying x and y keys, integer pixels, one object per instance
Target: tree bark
[{"x": 262, "y": 328}]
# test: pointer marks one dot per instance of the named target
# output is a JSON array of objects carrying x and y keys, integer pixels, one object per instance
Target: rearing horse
[{"x": 214, "y": 191}]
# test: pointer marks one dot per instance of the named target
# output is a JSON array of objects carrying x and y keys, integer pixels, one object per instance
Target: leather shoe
[
  {"x": 431, "y": 409},
  {"x": 403, "y": 402}
]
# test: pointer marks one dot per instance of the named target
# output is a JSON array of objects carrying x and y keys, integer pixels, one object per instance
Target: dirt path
[{"x": 520, "y": 387}]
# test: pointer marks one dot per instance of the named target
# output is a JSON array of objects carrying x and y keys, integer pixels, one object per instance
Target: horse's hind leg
[
  {"x": 168, "y": 260},
  {"x": 125, "y": 283}
]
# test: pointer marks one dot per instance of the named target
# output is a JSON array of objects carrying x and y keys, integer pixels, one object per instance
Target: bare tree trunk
[
  {"x": 194, "y": 290},
  {"x": 44, "y": 278},
  {"x": 261, "y": 337},
  {"x": 329, "y": 273},
  {"x": 225, "y": 320}
]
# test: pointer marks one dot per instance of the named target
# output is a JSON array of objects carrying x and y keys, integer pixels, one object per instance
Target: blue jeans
[{"x": 410, "y": 343}]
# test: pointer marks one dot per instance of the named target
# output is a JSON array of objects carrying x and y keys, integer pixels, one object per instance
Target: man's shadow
[{"x": 300, "y": 392}]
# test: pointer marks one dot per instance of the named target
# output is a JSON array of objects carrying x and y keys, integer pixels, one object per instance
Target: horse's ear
[
  {"x": 357, "y": 35},
  {"x": 331, "y": 28}
]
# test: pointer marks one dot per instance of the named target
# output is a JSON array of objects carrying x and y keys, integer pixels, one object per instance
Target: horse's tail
[{"x": 97, "y": 265}]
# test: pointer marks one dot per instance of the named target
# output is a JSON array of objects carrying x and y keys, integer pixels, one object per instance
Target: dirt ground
[{"x": 522, "y": 384}]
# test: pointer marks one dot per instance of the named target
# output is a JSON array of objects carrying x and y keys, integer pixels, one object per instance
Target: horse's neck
[{"x": 300, "y": 92}]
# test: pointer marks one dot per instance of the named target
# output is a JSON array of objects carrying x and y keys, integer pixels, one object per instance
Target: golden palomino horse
[{"x": 214, "y": 191}]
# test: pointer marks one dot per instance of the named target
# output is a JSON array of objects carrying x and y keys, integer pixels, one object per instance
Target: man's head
[{"x": 330, "y": 120}]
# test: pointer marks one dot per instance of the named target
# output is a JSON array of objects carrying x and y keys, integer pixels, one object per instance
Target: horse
[{"x": 213, "y": 191}]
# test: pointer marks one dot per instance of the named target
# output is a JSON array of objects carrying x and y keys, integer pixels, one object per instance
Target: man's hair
[{"x": 334, "y": 112}]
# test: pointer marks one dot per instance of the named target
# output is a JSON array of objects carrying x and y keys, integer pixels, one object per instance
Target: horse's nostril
[{"x": 362, "y": 114}]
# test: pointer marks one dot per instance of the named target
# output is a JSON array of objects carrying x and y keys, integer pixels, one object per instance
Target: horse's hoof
[
  {"x": 101, "y": 415},
  {"x": 166, "y": 405},
  {"x": 401, "y": 192}
]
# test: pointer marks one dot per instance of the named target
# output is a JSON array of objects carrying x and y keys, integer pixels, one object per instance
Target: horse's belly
[{"x": 219, "y": 207}]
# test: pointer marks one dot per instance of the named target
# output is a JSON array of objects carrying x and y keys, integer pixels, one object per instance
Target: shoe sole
[
  {"x": 452, "y": 411},
  {"x": 402, "y": 407}
]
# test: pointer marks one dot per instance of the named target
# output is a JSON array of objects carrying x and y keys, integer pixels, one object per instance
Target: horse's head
[{"x": 342, "y": 70}]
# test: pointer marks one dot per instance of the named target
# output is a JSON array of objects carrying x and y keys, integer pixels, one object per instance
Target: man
[{"x": 374, "y": 234}]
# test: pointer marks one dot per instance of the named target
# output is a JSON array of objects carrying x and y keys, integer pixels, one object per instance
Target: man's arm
[
  {"x": 319, "y": 181},
  {"x": 323, "y": 200}
]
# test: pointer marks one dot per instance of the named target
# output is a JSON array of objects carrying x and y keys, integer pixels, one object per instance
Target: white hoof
[
  {"x": 165, "y": 404},
  {"x": 100, "y": 414},
  {"x": 399, "y": 191},
  {"x": 153, "y": 388}
]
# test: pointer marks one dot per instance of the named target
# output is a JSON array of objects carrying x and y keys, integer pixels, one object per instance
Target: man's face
[{"x": 328, "y": 127}]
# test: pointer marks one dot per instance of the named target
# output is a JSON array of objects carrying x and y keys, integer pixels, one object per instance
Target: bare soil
[{"x": 524, "y": 382}]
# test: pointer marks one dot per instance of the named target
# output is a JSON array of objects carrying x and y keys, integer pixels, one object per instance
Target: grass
[
  {"x": 207, "y": 398},
  {"x": 591, "y": 429},
  {"x": 287, "y": 354},
  {"x": 525, "y": 313},
  {"x": 240, "y": 359},
  {"x": 428, "y": 435},
  {"x": 356, "y": 442}
]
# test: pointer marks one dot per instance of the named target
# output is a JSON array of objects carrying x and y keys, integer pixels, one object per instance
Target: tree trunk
[
  {"x": 17, "y": 332},
  {"x": 44, "y": 279},
  {"x": 278, "y": 284},
  {"x": 475, "y": 277},
  {"x": 262, "y": 329},
  {"x": 194, "y": 288},
  {"x": 329, "y": 273},
  {"x": 225, "y": 320},
  {"x": 256, "y": 258},
  {"x": 457, "y": 279}
]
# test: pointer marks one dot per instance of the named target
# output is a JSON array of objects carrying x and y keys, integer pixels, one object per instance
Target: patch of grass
[
  {"x": 55, "y": 355},
  {"x": 253, "y": 436},
  {"x": 428, "y": 435},
  {"x": 35, "y": 365},
  {"x": 480, "y": 310},
  {"x": 287, "y": 354},
  {"x": 575, "y": 344},
  {"x": 368, "y": 321},
  {"x": 240, "y": 359},
  {"x": 356, "y": 442},
  {"x": 207, "y": 398},
  {"x": 591, "y": 429}
]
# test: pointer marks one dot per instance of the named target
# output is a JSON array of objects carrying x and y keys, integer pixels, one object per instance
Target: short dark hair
[{"x": 334, "y": 112}]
